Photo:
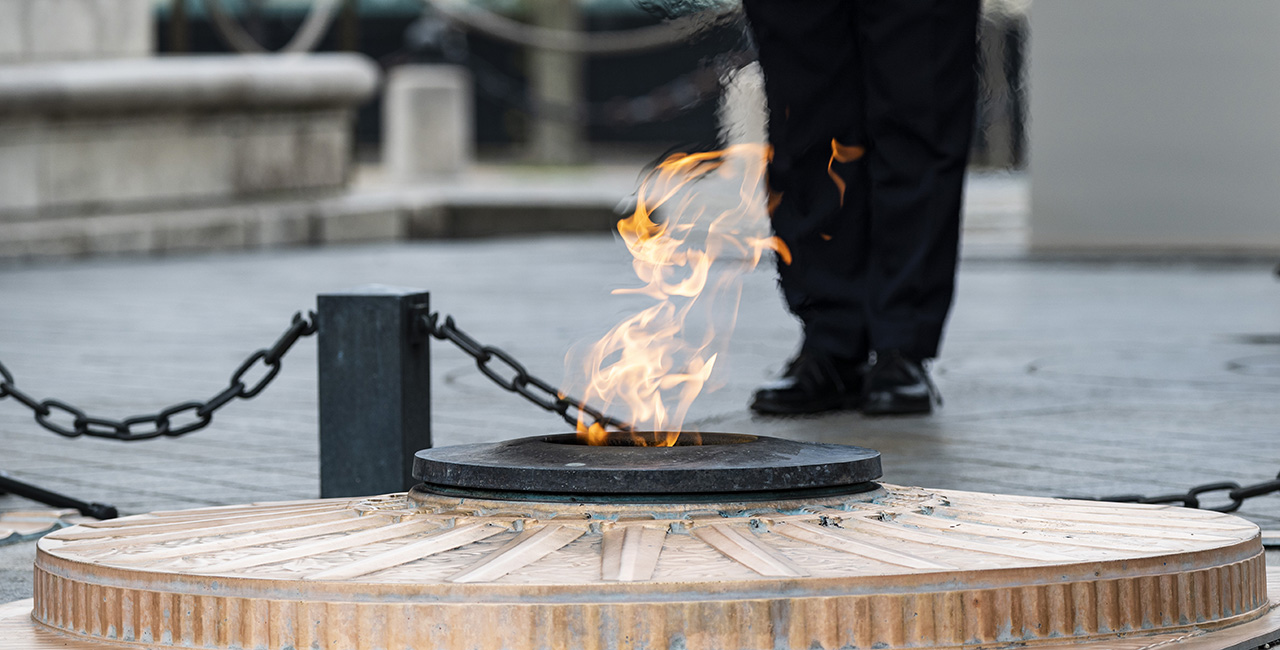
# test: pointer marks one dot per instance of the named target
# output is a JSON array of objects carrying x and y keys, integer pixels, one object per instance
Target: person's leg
[
  {"x": 919, "y": 61},
  {"x": 919, "y": 69},
  {"x": 809, "y": 56},
  {"x": 825, "y": 283}
]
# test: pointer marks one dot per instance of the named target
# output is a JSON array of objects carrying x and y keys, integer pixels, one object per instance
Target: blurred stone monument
[
  {"x": 428, "y": 124},
  {"x": 66, "y": 30},
  {"x": 557, "y": 81},
  {"x": 104, "y": 148}
]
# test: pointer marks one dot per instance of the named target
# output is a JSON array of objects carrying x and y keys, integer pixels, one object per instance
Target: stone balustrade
[
  {"x": 54, "y": 30},
  {"x": 81, "y": 137}
]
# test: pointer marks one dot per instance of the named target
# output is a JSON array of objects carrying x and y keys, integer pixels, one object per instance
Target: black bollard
[{"x": 375, "y": 389}]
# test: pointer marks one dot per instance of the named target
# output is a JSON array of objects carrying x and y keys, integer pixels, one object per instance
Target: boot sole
[
  {"x": 912, "y": 408},
  {"x": 788, "y": 409}
]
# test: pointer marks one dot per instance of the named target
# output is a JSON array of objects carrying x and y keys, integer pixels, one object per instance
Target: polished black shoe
[
  {"x": 898, "y": 385},
  {"x": 812, "y": 384}
]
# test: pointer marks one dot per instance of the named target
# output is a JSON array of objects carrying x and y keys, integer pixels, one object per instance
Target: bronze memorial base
[{"x": 881, "y": 567}]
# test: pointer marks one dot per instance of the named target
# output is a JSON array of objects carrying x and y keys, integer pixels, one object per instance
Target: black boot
[
  {"x": 898, "y": 385},
  {"x": 812, "y": 384}
]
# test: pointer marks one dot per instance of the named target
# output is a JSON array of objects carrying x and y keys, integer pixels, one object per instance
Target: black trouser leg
[
  {"x": 874, "y": 266},
  {"x": 812, "y": 70},
  {"x": 920, "y": 82},
  {"x": 826, "y": 283}
]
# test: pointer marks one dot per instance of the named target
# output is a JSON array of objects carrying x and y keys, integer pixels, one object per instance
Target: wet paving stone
[{"x": 1059, "y": 378}]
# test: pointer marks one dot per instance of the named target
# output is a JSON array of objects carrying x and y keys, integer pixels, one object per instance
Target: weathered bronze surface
[{"x": 891, "y": 568}]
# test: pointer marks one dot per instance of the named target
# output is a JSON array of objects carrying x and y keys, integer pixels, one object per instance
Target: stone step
[{"x": 354, "y": 216}]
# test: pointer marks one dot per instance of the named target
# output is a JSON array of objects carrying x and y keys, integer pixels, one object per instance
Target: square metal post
[{"x": 375, "y": 389}]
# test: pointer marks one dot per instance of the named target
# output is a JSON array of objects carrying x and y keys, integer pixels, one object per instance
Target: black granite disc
[{"x": 722, "y": 464}]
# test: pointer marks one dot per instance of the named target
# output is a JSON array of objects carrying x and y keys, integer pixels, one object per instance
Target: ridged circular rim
[
  {"x": 20, "y": 631},
  {"x": 723, "y": 464},
  {"x": 895, "y": 568}
]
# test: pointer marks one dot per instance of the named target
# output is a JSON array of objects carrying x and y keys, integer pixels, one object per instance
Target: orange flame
[
  {"x": 842, "y": 153},
  {"x": 650, "y": 362}
]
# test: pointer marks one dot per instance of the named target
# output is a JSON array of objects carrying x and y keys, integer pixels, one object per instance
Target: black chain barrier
[
  {"x": 52, "y": 414},
  {"x": 1191, "y": 498},
  {"x": 517, "y": 378},
  {"x": 180, "y": 419}
]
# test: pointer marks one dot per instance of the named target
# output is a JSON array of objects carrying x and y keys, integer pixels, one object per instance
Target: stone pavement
[{"x": 1080, "y": 378}]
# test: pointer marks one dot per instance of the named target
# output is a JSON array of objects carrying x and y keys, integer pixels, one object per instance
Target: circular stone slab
[
  {"x": 699, "y": 464},
  {"x": 896, "y": 568}
]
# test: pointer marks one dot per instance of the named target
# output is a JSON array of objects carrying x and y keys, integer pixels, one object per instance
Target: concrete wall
[
  {"x": 58, "y": 30},
  {"x": 1155, "y": 124}
]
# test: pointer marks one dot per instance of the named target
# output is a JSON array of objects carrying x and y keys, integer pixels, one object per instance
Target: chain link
[
  {"x": 186, "y": 417},
  {"x": 180, "y": 419},
  {"x": 516, "y": 378},
  {"x": 66, "y": 420},
  {"x": 1236, "y": 493}
]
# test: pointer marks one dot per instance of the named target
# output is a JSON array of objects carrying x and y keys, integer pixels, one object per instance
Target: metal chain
[
  {"x": 641, "y": 39},
  {"x": 1191, "y": 498},
  {"x": 319, "y": 17},
  {"x": 676, "y": 97},
  {"x": 179, "y": 419},
  {"x": 516, "y": 379},
  {"x": 661, "y": 103}
]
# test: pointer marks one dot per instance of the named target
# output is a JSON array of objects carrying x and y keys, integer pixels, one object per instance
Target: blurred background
[
  {"x": 1134, "y": 128},
  {"x": 653, "y": 95},
  {"x": 156, "y": 126},
  {"x": 171, "y": 191}
]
